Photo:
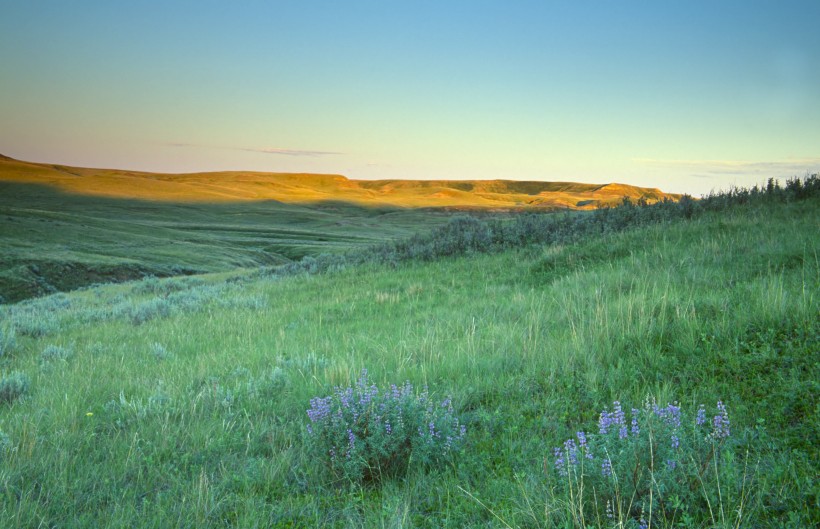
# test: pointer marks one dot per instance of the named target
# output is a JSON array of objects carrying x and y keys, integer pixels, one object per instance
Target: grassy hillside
[
  {"x": 54, "y": 241},
  {"x": 67, "y": 227},
  {"x": 182, "y": 402},
  {"x": 233, "y": 186}
]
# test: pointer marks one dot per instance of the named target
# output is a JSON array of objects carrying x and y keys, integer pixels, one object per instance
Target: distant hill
[{"x": 301, "y": 188}]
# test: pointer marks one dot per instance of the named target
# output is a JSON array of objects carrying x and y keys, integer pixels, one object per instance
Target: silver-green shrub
[{"x": 13, "y": 385}]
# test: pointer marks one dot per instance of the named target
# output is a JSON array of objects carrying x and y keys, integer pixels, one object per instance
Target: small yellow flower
[{"x": 89, "y": 414}]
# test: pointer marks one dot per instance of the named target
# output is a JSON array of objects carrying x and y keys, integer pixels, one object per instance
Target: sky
[{"x": 688, "y": 96}]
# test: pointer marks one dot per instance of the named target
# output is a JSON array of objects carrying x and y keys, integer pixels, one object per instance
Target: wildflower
[
  {"x": 671, "y": 464},
  {"x": 701, "y": 417},
  {"x": 606, "y": 467},
  {"x": 616, "y": 418},
  {"x": 673, "y": 415},
  {"x": 675, "y": 441},
  {"x": 560, "y": 465},
  {"x": 604, "y": 422},
  {"x": 351, "y": 437},
  {"x": 620, "y": 419},
  {"x": 319, "y": 409},
  {"x": 720, "y": 422},
  {"x": 635, "y": 428},
  {"x": 89, "y": 414},
  {"x": 609, "y": 512},
  {"x": 572, "y": 451},
  {"x": 582, "y": 442}
]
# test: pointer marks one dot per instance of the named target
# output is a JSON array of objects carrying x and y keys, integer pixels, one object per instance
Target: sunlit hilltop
[{"x": 231, "y": 186}]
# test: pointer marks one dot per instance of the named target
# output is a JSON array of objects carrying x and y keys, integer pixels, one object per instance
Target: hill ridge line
[{"x": 302, "y": 187}]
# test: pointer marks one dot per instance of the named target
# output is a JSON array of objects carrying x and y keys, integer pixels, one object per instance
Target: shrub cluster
[
  {"x": 55, "y": 352},
  {"x": 659, "y": 466},
  {"x": 467, "y": 234},
  {"x": 363, "y": 434},
  {"x": 8, "y": 341},
  {"x": 13, "y": 386}
]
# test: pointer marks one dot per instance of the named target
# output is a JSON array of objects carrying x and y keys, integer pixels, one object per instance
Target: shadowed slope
[{"x": 52, "y": 240}]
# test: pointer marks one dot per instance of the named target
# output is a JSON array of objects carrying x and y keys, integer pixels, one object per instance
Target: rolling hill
[
  {"x": 243, "y": 186},
  {"x": 67, "y": 227}
]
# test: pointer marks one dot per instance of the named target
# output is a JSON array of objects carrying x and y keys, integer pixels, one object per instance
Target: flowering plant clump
[
  {"x": 658, "y": 465},
  {"x": 364, "y": 434}
]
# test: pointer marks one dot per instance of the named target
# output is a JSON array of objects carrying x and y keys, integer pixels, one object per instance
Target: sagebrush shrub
[
  {"x": 55, "y": 352},
  {"x": 364, "y": 434},
  {"x": 13, "y": 386},
  {"x": 8, "y": 341},
  {"x": 159, "y": 351},
  {"x": 660, "y": 466}
]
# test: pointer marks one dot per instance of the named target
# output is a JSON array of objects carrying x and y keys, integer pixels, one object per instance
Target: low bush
[
  {"x": 8, "y": 341},
  {"x": 363, "y": 434},
  {"x": 13, "y": 386},
  {"x": 465, "y": 234},
  {"x": 159, "y": 351},
  {"x": 55, "y": 352}
]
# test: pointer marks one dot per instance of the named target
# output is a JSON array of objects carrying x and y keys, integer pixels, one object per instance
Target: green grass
[
  {"x": 54, "y": 241},
  {"x": 194, "y": 416}
]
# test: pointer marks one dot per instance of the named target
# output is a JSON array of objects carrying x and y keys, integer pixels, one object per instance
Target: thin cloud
[
  {"x": 734, "y": 167},
  {"x": 291, "y": 152},
  {"x": 264, "y": 150}
]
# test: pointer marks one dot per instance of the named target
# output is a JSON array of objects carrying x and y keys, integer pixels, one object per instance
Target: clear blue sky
[{"x": 687, "y": 96}]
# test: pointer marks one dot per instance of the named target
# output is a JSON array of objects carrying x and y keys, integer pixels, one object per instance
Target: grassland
[
  {"x": 62, "y": 227},
  {"x": 53, "y": 241},
  {"x": 181, "y": 402}
]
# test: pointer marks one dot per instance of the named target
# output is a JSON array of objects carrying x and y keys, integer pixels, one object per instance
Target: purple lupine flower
[
  {"x": 720, "y": 423},
  {"x": 351, "y": 438},
  {"x": 345, "y": 396},
  {"x": 388, "y": 428},
  {"x": 620, "y": 419},
  {"x": 362, "y": 382},
  {"x": 642, "y": 523},
  {"x": 572, "y": 451},
  {"x": 635, "y": 428},
  {"x": 673, "y": 415},
  {"x": 606, "y": 467},
  {"x": 701, "y": 417},
  {"x": 675, "y": 441},
  {"x": 582, "y": 442},
  {"x": 609, "y": 511},
  {"x": 616, "y": 418},
  {"x": 604, "y": 422},
  {"x": 671, "y": 464},
  {"x": 560, "y": 464}
]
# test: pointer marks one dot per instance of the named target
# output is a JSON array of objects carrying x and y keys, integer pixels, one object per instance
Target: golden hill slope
[{"x": 231, "y": 186}]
